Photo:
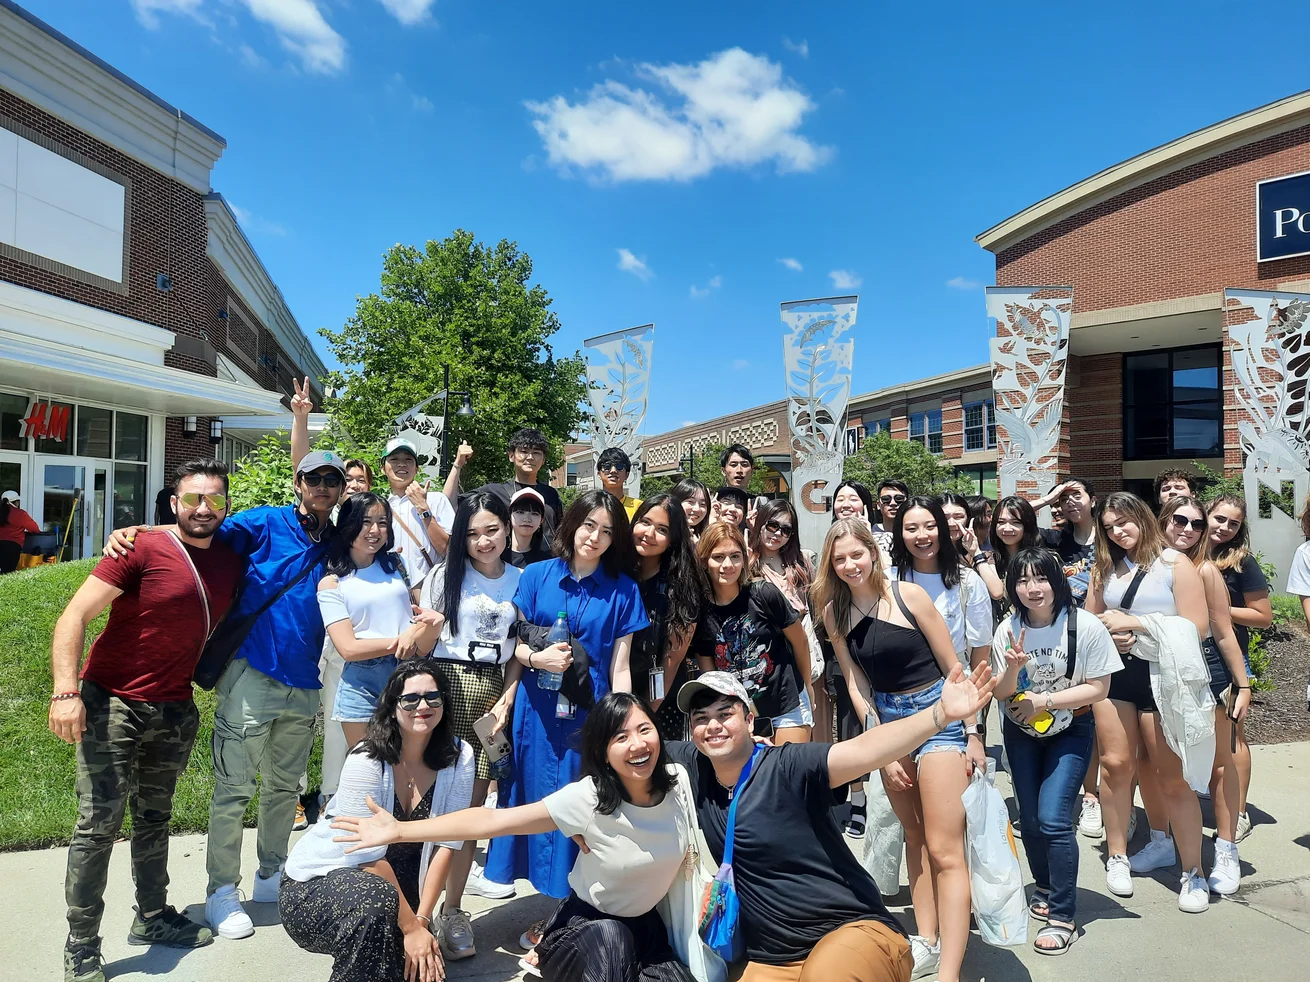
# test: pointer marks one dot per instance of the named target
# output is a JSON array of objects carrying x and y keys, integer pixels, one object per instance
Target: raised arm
[
  {"x": 451, "y": 489},
  {"x": 301, "y": 404}
]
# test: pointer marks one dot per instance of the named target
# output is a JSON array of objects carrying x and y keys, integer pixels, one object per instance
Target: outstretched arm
[{"x": 381, "y": 828}]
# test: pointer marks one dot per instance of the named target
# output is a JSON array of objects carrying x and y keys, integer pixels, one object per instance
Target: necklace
[
  {"x": 731, "y": 790},
  {"x": 409, "y": 779}
]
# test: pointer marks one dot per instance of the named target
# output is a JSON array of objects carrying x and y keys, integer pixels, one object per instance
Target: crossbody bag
[{"x": 200, "y": 589}]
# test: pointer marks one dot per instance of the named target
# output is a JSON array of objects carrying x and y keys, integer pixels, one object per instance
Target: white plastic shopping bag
[
  {"x": 995, "y": 879},
  {"x": 884, "y": 839}
]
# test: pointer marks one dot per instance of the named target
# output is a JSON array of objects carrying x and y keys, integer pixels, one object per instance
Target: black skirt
[{"x": 580, "y": 944}]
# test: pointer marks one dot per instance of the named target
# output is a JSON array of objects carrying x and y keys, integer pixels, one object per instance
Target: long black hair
[
  {"x": 1046, "y": 564},
  {"x": 618, "y": 557},
  {"x": 452, "y": 571},
  {"x": 683, "y": 490},
  {"x": 349, "y": 525},
  {"x": 948, "y": 556},
  {"x": 382, "y": 737},
  {"x": 684, "y": 582},
  {"x": 604, "y": 721},
  {"x": 860, "y": 490},
  {"x": 796, "y": 567},
  {"x": 1031, "y": 536}
]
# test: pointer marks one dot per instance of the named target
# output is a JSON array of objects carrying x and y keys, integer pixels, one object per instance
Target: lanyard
[{"x": 730, "y": 831}]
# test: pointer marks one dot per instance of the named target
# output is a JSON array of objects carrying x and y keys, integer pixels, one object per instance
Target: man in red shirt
[{"x": 133, "y": 720}]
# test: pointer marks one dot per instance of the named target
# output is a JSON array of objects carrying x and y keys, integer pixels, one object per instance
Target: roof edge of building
[{"x": 978, "y": 374}]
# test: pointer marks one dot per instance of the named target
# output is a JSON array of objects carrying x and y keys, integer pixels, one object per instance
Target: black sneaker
[
  {"x": 169, "y": 928},
  {"x": 82, "y": 962}
]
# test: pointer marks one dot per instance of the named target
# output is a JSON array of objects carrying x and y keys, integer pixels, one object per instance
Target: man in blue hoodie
[{"x": 268, "y": 697}]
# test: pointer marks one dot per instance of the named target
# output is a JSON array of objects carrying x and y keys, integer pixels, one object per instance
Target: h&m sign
[
  {"x": 1282, "y": 217},
  {"x": 46, "y": 420}
]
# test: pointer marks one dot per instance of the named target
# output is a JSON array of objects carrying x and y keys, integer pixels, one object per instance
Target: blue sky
[{"x": 660, "y": 161}]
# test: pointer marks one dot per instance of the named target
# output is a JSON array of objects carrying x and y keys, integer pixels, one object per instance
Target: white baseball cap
[
  {"x": 10, "y": 496},
  {"x": 399, "y": 443},
  {"x": 724, "y": 683}
]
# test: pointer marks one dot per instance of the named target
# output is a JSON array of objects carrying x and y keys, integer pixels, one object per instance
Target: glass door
[{"x": 63, "y": 503}]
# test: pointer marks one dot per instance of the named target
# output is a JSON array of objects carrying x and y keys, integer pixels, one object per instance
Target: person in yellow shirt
[{"x": 613, "y": 467}]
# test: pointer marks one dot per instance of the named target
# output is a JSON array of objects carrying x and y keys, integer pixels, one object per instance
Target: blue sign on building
[{"x": 1282, "y": 217}]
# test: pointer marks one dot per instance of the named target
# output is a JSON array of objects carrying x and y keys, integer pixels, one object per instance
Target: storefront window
[
  {"x": 95, "y": 430},
  {"x": 984, "y": 479},
  {"x": 60, "y": 419},
  {"x": 12, "y": 410},
  {"x": 131, "y": 437},
  {"x": 129, "y": 494},
  {"x": 926, "y": 428},
  {"x": 1173, "y": 404}
]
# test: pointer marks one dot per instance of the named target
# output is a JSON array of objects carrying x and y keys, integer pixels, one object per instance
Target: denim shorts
[
  {"x": 1220, "y": 677},
  {"x": 361, "y": 687},
  {"x": 802, "y": 715},
  {"x": 897, "y": 705}
]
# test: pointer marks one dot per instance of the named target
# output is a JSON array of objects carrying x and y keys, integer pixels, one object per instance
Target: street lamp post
[
  {"x": 465, "y": 409},
  {"x": 690, "y": 460}
]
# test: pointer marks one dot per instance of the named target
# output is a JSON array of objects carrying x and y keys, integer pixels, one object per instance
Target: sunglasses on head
[
  {"x": 1182, "y": 522},
  {"x": 892, "y": 499},
  {"x": 192, "y": 499},
  {"x": 778, "y": 527},
  {"x": 313, "y": 479},
  {"x": 409, "y": 701}
]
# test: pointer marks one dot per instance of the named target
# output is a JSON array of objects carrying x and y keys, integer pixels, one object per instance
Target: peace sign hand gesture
[
  {"x": 301, "y": 402},
  {"x": 1015, "y": 656}
]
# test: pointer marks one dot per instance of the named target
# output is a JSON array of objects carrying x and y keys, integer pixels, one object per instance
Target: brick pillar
[
  {"x": 1095, "y": 447},
  {"x": 952, "y": 427}
]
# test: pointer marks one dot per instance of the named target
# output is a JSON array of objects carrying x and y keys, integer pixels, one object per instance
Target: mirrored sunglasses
[{"x": 191, "y": 499}]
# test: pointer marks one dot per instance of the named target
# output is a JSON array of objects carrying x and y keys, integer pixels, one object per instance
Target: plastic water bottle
[
  {"x": 503, "y": 769},
  {"x": 1022, "y": 685},
  {"x": 559, "y": 632}
]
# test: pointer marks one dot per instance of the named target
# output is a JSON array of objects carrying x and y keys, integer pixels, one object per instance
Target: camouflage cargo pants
[{"x": 130, "y": 756}]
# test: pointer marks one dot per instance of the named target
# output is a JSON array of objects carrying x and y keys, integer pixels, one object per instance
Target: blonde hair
[
  {"x": 1150, "y": 540},
  {"x": 1231, "y": 554},
  {"x": 713, "y": 537},
  {"x": 1199, "y": 554},
  {"x": 831, "y": 590}
]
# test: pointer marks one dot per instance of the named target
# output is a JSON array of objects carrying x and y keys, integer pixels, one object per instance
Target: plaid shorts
[{"x": 472, "y": 689}]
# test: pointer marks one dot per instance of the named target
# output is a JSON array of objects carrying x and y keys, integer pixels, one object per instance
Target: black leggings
[
  {"x": 9, "y": 553},
  {"x": 580, "y": 944}
]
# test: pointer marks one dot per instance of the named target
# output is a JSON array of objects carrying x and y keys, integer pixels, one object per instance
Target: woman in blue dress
[{"x": 593, "y": 546}]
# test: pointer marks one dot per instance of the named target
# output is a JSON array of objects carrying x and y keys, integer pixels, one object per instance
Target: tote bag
[{"x": 680, "y": 907}]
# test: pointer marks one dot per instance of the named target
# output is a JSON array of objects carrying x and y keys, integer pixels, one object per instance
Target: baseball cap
[
  {"x": 399, "y": 443},
  {"x": 531, "y": 493},
  {"x": 734, "y": 493},
  {"x": 321, "y": 458},
  {"x": 724, "y": 683},
  {"x": 10, "y": 496}
]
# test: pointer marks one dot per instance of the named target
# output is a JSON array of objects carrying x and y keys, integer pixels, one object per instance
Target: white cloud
[
  {"x": 792, "y": 264},
  {"x": 700, "y": 293},
  {"x": 688, "y": 422},
  {"x": 251, "y": 57},
  {"x": 801, "y": 47},
  {"x": 299, "y": 25},
  {"x": 253, "y": 223},
  {"x": 740, "y": 364},
  {"x": 960, "y": 283},
  {"x": 733, "y": 109},
  {"x": 398, "y": 88},
  {"x": 409, "y": 12},
  {"x": 631, "y": 264},
  {"x": 844, "y": 279}
]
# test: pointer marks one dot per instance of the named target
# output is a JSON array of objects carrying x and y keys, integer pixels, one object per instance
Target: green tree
[
  {"x": 881, "y": 458},
  {"x": 460, "y": 303},
  {"x": 263, "y": 476}
]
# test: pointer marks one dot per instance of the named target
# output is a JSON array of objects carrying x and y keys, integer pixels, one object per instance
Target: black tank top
[{"x": 894, "y": 658}]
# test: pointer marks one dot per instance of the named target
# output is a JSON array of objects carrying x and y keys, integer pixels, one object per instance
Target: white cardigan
[
  {"x": 1180, "y": 683},
  {"x": 315, "y": 854}
]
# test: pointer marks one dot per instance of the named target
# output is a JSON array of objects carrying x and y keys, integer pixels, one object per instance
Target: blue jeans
[{"x": 1047, "y": 774}]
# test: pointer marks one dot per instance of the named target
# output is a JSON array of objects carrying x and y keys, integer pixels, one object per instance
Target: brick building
[
  {"x": 135, "y": 317},
  {"x": 1149, "y": 245}
]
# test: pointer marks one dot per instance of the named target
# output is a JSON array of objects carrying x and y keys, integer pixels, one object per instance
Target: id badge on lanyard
[
  {"x": 564, "y": 708},
  {"x": 657, "y": 683}
]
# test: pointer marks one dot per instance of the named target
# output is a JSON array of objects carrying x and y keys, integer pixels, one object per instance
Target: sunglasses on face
[
  {"x": 778, "y": 528},
  {"x": 613, "y": 467},
  {"x": 313, "y": 479},
  {"x": 192, "y": 499},
  {"x": 892, "y": 499},
  {"x": 1181, "y": 522},
  {"x": 410, "y": 700}
]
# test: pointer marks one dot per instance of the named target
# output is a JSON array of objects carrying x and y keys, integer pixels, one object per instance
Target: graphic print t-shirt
[
  {"x": 1076, "y": 558},
  {"x": 746, "y": 638}
]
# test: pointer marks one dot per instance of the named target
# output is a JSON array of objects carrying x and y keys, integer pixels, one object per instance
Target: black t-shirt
[
  {"x": 1247, "y": 578},
  {"x": 648, "y": 643},
  {"x": 1078, "y": 559},
  {"x": 796, "y": 877},
  {"x": 506, "y": 489},
  {"x": 746, "y": 638},
  {"x": 522, "y": 560}
]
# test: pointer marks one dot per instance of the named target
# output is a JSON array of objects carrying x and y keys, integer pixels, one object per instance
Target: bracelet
[
  {"x": 937, "y": 716},
  {"x": 61, "y": 696},
  {"x": 424, "y": 918},
  {"x": 530, "y": 665},
  {"x": 1244, "y": 687}
]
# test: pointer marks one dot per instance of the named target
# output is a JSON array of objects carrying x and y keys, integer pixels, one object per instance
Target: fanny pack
[{"x": 720, "y": 906}]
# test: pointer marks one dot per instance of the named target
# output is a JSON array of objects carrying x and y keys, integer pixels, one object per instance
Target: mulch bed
[{"x": 1280, "y": 716}]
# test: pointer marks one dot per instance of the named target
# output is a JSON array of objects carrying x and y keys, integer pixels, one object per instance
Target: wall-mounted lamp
[
  {"x": 189, "y": 427},
  {"x": 163, "y": 283},
  {"x": 216, "y": 430}
]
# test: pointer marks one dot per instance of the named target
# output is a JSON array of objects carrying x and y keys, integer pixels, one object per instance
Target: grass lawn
[{"x": 38, "y": 803}]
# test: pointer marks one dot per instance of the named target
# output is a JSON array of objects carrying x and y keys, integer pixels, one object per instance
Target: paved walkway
[{"x": 1262, "y": 933}]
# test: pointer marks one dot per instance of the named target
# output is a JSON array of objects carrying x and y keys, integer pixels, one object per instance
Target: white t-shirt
[
  {"x": 1048, "y": 660},
  {"x": 411, "y": 531},
  {"x": 635, "y": 852},
  {"x": 1298, "y": 577},
  {"x": 374, "y": 601},
  {"x": 970, "y": 623},
  {"x": 486, "y": 615}
]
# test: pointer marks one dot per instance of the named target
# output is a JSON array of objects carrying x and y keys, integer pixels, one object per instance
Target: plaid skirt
[{"x": 472, "y": 688}]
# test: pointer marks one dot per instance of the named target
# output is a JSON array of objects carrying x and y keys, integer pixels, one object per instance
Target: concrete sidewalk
[{"x": 1262, "y": 933}]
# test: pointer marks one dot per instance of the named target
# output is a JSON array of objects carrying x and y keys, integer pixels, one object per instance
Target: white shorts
[{"x": 802, "y": 715}]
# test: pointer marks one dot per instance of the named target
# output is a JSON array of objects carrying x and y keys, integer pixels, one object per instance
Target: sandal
[
  {"x": 530, "y": 938},
  {"x": 1065, "y": 935},
  {"x": 855, "y": 825},
  {"x": 1040, "y": 899}
]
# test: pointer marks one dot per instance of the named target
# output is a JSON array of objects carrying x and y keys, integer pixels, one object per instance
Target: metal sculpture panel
[
  {"x": 1029, "y": 355},
  {"x": 817, "y": 352},
  {"x": 618, "y": 382}
]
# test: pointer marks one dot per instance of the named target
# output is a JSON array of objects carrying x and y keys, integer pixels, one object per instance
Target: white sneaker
[
  {"x": 1156, "y": 854},
  {"x": 265, "y": 891},
  {"x": 1226, "y": 876},
  {"x": 1193, "y": 893},
  {"x": 1243, "y": 826},
  {"x": 226, "y": 916},
  {"x": 480, "y": 886},
  {"x": 927, "y": 957},
  {"x": 1118, "y": 876},
  {"x": 1089, "y": 822}
]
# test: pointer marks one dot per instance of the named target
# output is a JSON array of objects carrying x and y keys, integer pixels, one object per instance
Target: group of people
[{"x": 626, "y": 673}]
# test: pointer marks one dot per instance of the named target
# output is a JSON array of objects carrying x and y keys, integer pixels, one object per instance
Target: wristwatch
[
  {"x": 1050, "y": 703},
  {"x": 973, "y": 729},
  {"x": 427, "y": 515}
]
